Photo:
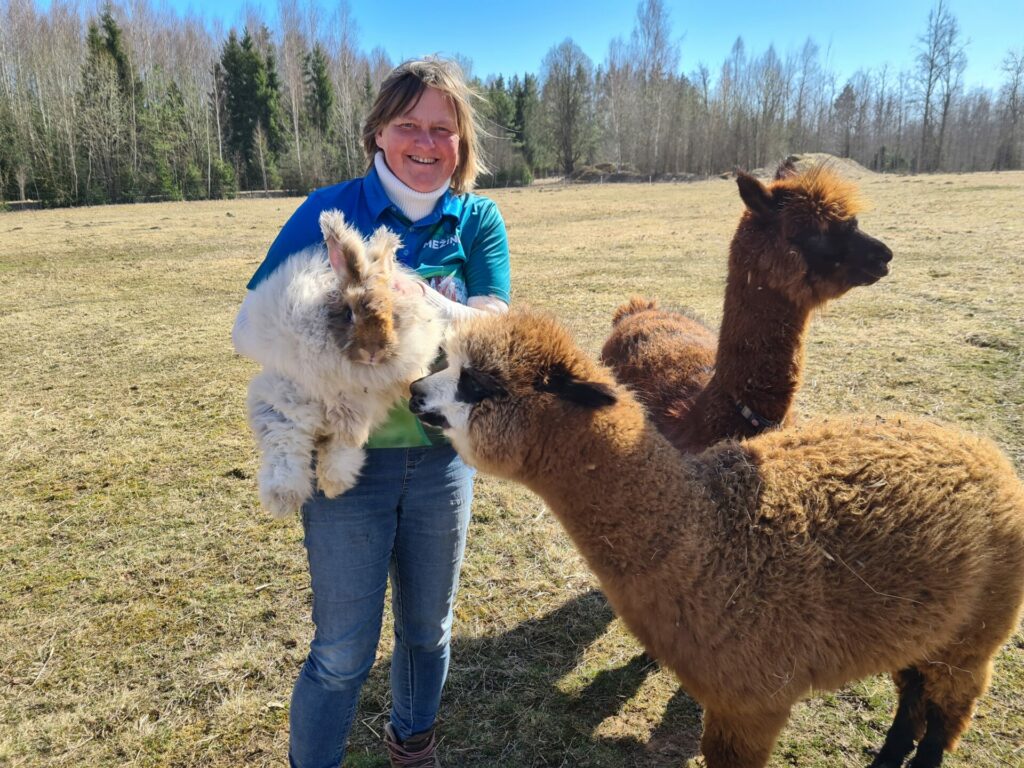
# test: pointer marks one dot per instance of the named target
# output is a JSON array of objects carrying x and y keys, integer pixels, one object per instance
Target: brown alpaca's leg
[
  {"x": 950, "y": 690},
  {"x": 740, "y": 740},
  {"x": 955, "y": 676},
  {"x": 909, "y": 724}
]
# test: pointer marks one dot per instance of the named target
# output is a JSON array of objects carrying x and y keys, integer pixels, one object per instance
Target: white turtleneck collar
[{"x": 415, "y": 205}]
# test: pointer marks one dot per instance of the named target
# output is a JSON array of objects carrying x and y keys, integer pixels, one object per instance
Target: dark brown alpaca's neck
[
  {"x": 760, "y": 348},
  {"x": 758, "y": 365}
]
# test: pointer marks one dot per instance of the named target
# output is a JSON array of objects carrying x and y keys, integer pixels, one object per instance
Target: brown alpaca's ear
[
  {"x": 755, "y": 196},
  {"x": 565, "y": 386}
]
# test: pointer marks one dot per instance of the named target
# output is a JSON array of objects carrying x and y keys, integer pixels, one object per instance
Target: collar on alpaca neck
[{"x": 758, "y": 422}]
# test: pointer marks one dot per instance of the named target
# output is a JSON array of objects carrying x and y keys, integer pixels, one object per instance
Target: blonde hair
[{"x": 400, "y": 92}]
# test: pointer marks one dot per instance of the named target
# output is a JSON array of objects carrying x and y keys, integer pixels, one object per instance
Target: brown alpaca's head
[
  {"x": 513, "y": 382},
  {"x": 800, "y": 236},
  {"x": 361, "y": 313}
]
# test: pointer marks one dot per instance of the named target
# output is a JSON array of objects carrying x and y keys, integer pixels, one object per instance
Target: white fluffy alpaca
[{"x": 339, "y": 346}]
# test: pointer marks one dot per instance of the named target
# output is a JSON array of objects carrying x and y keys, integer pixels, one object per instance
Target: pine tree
[
  {"x": 12, "y": 156},
  {"x": 526, "y": 128},
  {"x": 165, "y": 147},
  {"x": 319, "y": 90},
  {"x": 113, "y": 41},
  {"x": 500, "y": 107},
  {"x": 105, "y": 119},
  {"x": 239, "y": 99},
  {"x": 268, "y": 92},
  {"x": 845, "y": 108},
  {"x": 254, "y": 129}
]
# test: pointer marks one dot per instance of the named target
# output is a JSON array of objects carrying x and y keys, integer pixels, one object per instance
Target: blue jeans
[{"x": 407, "y": 518}]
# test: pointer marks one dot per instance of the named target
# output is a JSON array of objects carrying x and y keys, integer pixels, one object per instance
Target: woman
[{"x": 408, "y": 514}]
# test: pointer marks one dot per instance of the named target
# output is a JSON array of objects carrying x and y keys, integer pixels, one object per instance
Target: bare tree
[
  {"x": 1011, "y": 96},
  {"x": 655, "y": 59},
  {"x": 952, "y": 63},
  {"x": 771, "y": 100},
  {"x": 617, "y": 103},
  {"x": 705, "y": 119},
  {"x": 941, "y": 61},
  {"x": 806, "y": 74},
  {"x": 76, "y": 127},
  {"x": 294, "y": 47}
]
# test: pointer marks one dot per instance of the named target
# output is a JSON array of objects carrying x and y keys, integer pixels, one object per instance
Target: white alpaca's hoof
[{"x": 282, "y": 502}]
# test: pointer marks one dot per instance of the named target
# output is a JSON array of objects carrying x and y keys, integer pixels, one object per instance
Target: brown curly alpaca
[
  {"x": 763, "y": 570},
  {"x": 797, "y": 246}
]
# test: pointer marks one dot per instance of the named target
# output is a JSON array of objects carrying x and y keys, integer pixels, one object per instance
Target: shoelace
[{"x": 405, "y": 758}]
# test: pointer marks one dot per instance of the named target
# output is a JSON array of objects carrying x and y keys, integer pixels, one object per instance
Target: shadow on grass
[{"x": 503, "y": 707}]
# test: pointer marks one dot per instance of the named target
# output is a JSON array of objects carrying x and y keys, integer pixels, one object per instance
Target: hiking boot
[{"x": 418, "y": 751}]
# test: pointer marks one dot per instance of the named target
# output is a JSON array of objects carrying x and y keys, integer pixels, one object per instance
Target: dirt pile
[{"x": 848, "y": 168}]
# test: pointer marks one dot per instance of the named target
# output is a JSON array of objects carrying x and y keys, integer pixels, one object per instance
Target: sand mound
[{"x": 848, "y": 168}]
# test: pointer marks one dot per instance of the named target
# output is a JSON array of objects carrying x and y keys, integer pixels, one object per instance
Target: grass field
[{"x": 152, "y": 615}]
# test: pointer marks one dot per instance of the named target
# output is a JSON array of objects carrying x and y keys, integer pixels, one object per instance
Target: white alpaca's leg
[{"x": 285, "y": 426}]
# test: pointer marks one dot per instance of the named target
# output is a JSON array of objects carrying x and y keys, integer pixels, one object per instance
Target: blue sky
[{"x": 509, "y": 37}]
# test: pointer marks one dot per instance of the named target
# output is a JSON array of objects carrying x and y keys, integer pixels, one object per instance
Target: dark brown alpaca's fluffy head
[
  {"x": 800, "y": 236},
  {"x": 510, "y": 379}
]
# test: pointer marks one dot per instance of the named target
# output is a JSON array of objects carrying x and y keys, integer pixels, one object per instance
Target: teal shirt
[{"x": 460, "y": 249}]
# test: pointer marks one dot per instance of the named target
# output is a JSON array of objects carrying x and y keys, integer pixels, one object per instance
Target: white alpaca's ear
[
  {"x": 344, "y": 247},
  {"x": 381, "y": 249}
]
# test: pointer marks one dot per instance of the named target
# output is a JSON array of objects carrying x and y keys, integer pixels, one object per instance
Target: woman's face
[{"x": 421, "y": 147}]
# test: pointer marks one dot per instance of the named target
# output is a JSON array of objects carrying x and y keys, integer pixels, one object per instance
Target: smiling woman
[{"x": 407, "y": 514}]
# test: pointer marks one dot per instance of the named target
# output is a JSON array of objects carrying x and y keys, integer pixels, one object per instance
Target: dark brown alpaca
[{"x": 797, "y": 246}]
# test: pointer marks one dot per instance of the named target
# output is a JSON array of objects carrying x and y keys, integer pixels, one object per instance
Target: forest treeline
[{"x": 133, "y": 103}]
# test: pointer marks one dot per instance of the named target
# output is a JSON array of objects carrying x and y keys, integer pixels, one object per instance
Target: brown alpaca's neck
[{"x": 619, "y": 489}]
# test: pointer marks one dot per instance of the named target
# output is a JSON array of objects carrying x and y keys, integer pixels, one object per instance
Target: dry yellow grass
[{"x": 151, "y": 615}]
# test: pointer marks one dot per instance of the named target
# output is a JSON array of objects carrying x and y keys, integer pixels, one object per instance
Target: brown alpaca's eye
[{"x": 346, "y": 315}]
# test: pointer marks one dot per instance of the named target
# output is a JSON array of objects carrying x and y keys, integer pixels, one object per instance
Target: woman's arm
[
  {"x": 452, "y": 310},
  {"x": 487, "y": 255}
]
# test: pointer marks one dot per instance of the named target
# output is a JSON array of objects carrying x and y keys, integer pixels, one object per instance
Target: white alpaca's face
[
  {"x": 444, "y": 400},
  {"x": 510, "y": 388}
]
